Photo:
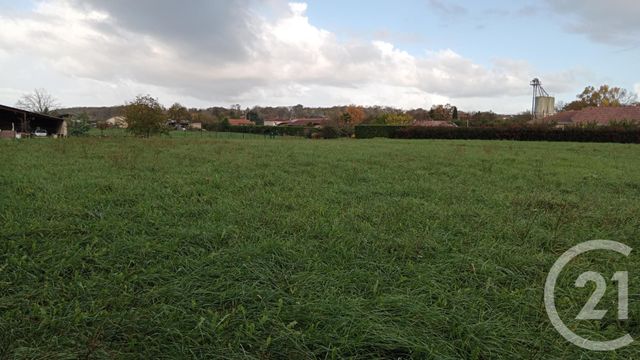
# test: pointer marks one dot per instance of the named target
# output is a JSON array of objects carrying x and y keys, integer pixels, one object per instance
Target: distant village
[{"x": 595, "y": 107}]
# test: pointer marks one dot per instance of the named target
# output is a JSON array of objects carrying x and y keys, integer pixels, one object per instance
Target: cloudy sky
[{"x": 479, "y": 55}]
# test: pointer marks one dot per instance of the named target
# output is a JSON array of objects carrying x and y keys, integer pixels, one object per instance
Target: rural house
[
  {"x": 118, "y": 122},
  {"x": 275, "y": 122}
]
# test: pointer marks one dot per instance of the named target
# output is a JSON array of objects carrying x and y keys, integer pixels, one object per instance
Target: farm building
[
  {"x": 601, "y": 116},
  {"x": 16, "y": 121}
]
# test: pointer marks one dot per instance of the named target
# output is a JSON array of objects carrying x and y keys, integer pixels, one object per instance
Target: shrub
[
  {"x": 330, "y": 132},
  {"x": 102, "y": 126},
  {"x": 79, "y": 125},
  {"x": 223, "y": 125}
]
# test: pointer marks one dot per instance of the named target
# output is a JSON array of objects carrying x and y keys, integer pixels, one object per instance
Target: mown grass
[{"x": 228, "y": 248}]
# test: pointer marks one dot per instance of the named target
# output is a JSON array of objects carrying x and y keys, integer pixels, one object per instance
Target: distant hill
[{"x": 95, "y": 113}]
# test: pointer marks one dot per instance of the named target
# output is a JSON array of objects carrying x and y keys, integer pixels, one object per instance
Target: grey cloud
[
  {"x": 221, "y": 30},
  {"x": 612, "y": 22},
  {"x": 258, "y": 58}
]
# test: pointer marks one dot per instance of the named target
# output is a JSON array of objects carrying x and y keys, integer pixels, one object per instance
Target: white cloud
[{"x": 250, "y": 60}]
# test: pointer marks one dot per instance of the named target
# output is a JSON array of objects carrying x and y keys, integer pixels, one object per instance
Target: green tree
[
  {"x": 179, "y": 113},
  {"x": 484, "y": 118},
  {"x": 345, "y": 119},
  {"x": 255, "y": 117},
  {"x": 79, "y": 125},
  {"x": 146, "y": 116},
  {"x": 224, "y": 125}
]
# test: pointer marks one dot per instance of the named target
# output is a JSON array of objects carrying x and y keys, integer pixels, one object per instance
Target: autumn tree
[
  {"x": 40, "y": 101},
  {"x": 145, "y": 116},
  {"x": 353, "y": 115},
  {"x": 179, "y": 113},
  {"x": 204, "y": 117},
  {"x": 605, "y": 96},
  {"x": 441, "y": 112},
  {"x": 419, "y": 114},
  {"x": 398, "y": 119}
]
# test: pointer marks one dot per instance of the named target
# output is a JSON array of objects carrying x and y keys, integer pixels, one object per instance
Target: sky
[{"x": 477, "y": 55}]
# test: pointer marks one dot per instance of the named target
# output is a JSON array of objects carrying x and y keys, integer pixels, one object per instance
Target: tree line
[{"x": 146, "y": 116}]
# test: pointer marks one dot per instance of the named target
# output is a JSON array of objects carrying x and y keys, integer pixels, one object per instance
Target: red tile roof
[
  {"x": 599, "y": 115},
  {"x": 240, "y": 122},
  {"x": 430, "y": 123}
]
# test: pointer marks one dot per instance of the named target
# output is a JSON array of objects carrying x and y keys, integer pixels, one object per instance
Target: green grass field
[{"x": 212, "y": 247}]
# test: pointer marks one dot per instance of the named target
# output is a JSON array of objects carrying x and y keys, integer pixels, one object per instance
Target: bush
[
  {"x": 223, "y": 125},
  {"x": 608, "y": 134},
  {"x": 79, "y": 125},
  {"x": 330, "y": 132}
]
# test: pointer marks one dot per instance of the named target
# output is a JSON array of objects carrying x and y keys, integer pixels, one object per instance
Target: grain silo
[{"x": 543, "y": 104}]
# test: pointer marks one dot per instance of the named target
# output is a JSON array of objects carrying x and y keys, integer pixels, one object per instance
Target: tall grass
[{"x": 211, "y": 247}]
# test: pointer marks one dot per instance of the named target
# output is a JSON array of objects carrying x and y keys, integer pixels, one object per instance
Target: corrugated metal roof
[{"x": 20, "y": 111}]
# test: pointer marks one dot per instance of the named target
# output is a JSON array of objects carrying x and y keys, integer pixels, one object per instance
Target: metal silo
[{"x": 543, "y": 104}]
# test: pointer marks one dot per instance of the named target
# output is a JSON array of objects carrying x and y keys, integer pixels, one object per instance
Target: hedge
[
  {"x": 610, "y": 135},
  {"x": 267, "y": 130},
  {"x": 377, "y": 131}
]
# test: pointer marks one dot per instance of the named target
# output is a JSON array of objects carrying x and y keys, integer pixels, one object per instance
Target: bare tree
[{"x": 40, "y": 101}]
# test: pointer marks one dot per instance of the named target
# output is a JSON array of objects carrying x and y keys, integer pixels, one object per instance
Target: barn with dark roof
[{"x": 16, "y": 121}]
